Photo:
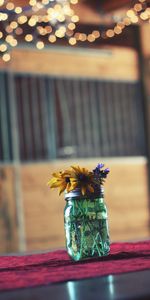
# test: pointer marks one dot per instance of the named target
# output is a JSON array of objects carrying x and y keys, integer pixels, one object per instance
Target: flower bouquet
[{"x": 85, "y": 213}]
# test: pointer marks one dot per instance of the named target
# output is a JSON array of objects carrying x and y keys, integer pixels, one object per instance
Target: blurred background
[{"x": 74, "y": 89}]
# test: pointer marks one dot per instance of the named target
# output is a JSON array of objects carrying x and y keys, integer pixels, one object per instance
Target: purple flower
[
  {"x": 97, "y": 170},
  {"x": 100, "y": 166},
  {"x": 99, "y": 173},
  {"x": 105, "y": 172}
]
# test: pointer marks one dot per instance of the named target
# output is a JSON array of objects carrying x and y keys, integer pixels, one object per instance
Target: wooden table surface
[{"x": 128, "y": 286}]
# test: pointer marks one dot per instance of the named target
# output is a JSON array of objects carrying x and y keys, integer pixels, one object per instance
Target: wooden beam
[
  {"x": 86, "y": 14},
  {"x": 111, "y": 5},
  {"x": 114, "y": 63}
]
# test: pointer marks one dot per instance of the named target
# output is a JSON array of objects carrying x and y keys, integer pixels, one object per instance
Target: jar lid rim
[{"x": 77, "y": 193}]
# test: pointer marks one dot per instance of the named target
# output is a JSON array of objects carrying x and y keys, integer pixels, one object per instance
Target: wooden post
[
  {"x": 145, "y": 72},
  {"x": 16, "y": 164}
]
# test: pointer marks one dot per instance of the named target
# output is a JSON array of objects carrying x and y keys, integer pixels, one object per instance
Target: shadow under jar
[{"x": 86, "y": 225}]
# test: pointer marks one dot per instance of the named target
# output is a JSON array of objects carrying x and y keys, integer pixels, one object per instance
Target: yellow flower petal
[
  {"x": 76, "y": 169},
  {"x": 83, "y": 190},
  {"x": 56, "y": 184},
  {"x": 73, "y": 186},
  {"x": 85, "y": 171},
  {"x": 51, "y": 181},
  {"x": 62, "y": 188},
  {"x": 57, "y": 175}
]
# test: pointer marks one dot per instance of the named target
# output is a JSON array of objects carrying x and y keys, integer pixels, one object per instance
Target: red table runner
[{"x": 42, "y": 269}]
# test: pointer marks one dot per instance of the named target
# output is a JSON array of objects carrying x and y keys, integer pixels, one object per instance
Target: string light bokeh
[
  {"x": 47, "y": 18},
  {"x": 139, "y": 12},
  {"x": 46, "y": 21}
]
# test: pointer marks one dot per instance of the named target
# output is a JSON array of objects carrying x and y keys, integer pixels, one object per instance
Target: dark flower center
[
  {"x": 67, "y": 179},
  {"x": 83, "y": 178}
]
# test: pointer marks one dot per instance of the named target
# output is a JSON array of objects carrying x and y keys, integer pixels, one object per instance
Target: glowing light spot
[
  {"x": 91, "y": 38},
  {"x": 18, "y": 10},
  {"x": 29, "y": 38},
  {"x": 3, "y": 47},
  {"x": 6, "y": 57},
  {"x": 110, "y": 33},
  {"x": 40, "y": 45},
  {"x": 72, "y": 41},
  {"x": 52, "y": 38},
  {"x": 10, "y": 6}
]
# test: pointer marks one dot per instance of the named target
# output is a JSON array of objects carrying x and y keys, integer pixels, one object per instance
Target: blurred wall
[{"x": 31, "y": 215}]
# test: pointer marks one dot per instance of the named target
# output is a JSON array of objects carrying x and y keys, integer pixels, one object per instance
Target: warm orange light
[
  {"x": 134, "y": 19},
  {"x": 74, "y": 1},
  {"x": 45, "y": 19},
  {"x": 22, "y": 19},
  {"x": 61, "y": 18},
  {"x": 127, "y": 21},
  {"x": 38, "y": 6},
  {"x": 1, "y": 34},
  {"x": 32, "y": 22},
  {"x": 50, "y": 10},
  {"x": 57, "y": 7},
  {"x": 117, "y": 30},
  {"x": 52, "y": 38},
  {"x": 91, "y": 38},
  {"x": 72, "y": 41},
  {"x": 45, "y": 2},
  {"x": 40, "y": 45},
  {"x": 48, "y": 29},
  {"x": 3, "y": 47},
  {"x": 121, "y": 25},
  {"x": 82, "y": 37},
  {"x": 19, "y": 31},
  {"x": 6, "y": 57},
  {"x": 130, "y": 13},
  {"x": 14, "y": 24},
  {"x": 110, "y": 33},
  {"x": 13, "y": 43},
  {"x": 1, "y": 2},
  {"x": 9, "y": 38},
  {"x": 10, "y": 6},
  {"x": 138, "y": 7},
  {"x": 67, "y": 10},
  {"x": 75, "y": 19},
  {"x": 18, "y": 10},
  {"x": 71, "y": 26},
  {"x": 60, "y": 32},
  {"x": 3, "y": 16},
  {"x": 8, "y": 29},
  {"x": 41, "y": 30},
  {"x": 69, "y": 32},
  {"x": 29, "y": 38},
  {"x": 32, "y": 2},
  {"x": 96, "y": 33},
  {"x": 144, "y": 16}
]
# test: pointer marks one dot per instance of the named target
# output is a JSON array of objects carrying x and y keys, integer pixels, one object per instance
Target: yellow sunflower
[
  {"x": 82, "y": 178},
  {"x": 62, "y": 181}
]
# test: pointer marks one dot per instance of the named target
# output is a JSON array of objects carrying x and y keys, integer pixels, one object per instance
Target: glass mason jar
[{"x": 86, "y": 225}]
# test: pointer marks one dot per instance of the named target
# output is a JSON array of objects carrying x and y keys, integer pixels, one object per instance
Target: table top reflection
[{"x": 134, "y": 285}]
